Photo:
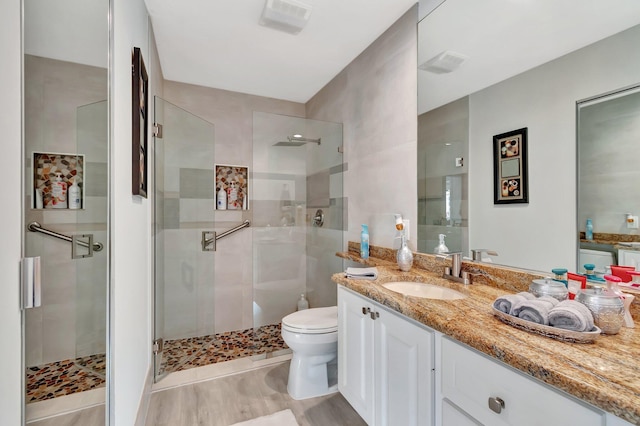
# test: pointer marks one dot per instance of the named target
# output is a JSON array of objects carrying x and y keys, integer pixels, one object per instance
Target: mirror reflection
[
  {"x": 66, "y": 142},
  {"x": 480, "y": 76},
  {"x": 608, "y": 129}
]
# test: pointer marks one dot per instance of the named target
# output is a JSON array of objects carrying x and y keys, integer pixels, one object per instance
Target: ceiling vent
[
  {"x": 285, "y": 15},
  {"x": 443, "y": 63}
]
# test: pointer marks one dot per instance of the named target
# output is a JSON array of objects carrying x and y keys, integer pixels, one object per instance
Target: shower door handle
[{"x": 31, "y": 284}]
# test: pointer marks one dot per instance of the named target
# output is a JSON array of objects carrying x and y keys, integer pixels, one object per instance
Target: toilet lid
[{"x": 316, "y": 320}]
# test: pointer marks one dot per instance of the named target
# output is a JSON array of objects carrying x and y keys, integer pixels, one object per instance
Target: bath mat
[{"x": 281, "y": 418}]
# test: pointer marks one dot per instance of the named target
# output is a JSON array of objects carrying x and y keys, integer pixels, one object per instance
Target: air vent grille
[
  {"x": 444, "y": 62},
  {"x": 285, "y": 15}
]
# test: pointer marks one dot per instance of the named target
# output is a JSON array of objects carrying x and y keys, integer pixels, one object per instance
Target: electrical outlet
[
  {"x": 632, "y": 222},
  {"x": 459, "y": 161}
]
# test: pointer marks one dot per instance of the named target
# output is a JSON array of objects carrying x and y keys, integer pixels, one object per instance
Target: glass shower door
[
  {"x": 298, "y": 219},
  {"x": 184, "y": 212},
  {"x": 65, "y": 334}
]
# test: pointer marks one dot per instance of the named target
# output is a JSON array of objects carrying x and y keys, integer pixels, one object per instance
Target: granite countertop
[{"x": 605, "y": 373}]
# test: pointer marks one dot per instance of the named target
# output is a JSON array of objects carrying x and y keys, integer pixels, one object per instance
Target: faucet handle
[{"x": 476, "y": 254}]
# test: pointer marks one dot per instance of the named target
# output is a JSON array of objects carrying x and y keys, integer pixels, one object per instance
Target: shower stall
[
  {"x": 66, "y": 135},
  {"x": 223, "y": 305},
  {"x": 299, "y": 214}
]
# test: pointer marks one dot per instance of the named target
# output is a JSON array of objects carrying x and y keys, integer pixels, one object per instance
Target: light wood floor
[
  {"x": 232, "y": 399},
  {"x": 93, "y": 416}
]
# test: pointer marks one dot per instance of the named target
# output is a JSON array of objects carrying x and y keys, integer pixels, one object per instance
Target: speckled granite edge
[
  {"x": 605, "y": 238},
  {"x": 605, "y": 373},
  {"x": 511, "y": 280}
]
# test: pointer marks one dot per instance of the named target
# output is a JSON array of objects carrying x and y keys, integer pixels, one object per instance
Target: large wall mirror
[
  {"x": 66, "y": 175},
  {"x": 491, "y": 67}
]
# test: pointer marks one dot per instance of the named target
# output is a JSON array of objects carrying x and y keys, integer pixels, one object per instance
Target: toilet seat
[{"x": 312, "y": 321}]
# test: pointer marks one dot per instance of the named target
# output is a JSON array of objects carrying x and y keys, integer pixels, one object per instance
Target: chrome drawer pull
[{"x": 496, "y": 404}]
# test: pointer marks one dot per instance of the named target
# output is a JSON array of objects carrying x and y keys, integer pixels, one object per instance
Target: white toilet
[{"x": 312, "y": 335}]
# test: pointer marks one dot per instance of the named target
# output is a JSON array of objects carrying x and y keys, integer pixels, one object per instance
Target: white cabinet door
[
  {"x": 474, "y": 382},
  {"x": 454, "y": 416},
  {"x": 355, "y": 352},
  {"x": 403, "y": 371},
  {"x": 629, "y": 258}
]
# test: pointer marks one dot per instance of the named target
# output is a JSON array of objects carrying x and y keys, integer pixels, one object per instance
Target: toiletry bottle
[
  {"x": 442, "y": 247},
  {"x": 404, "y": 257},
  {"x": 364, "y": 242},
  {"x": 38, "y": 201},
  {"x": 59, "y": 193},
  {"x": 222, "y": 199},
  {"x": 560, "y": 275},
  {"x": 590, "y": 273},
  {"x": 232, "y": 202},
  {"x": 614, "y": 289},
  {"x": 589, "y": 230},
  {"x": 74, "y": 196},
  {"x": 303, "y": 303}
]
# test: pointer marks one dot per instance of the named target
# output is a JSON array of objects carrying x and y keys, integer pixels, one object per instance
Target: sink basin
[
  {"x": 428, "y": 291},
  {"x": 631, "y": 244}
]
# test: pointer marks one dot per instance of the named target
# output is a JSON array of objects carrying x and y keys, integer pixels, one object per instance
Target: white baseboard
[{"x": 208, "y": 372}]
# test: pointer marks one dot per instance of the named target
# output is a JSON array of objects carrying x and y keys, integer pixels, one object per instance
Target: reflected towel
[
  {"x": 571, "y": 315},
  {"x": 504, "y": 303},
  {"x": 535, "y": 310},
  {"x": 362, "y": 273}
]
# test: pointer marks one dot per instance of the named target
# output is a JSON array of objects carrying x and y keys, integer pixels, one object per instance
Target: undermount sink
[
  {"x": 427, "y": 291},
  {"x": 630, "y": 244}
]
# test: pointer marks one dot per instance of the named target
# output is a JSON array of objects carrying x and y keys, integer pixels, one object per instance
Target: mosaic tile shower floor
[
  {"x": 81, "y": 374},
  {"x": 182, "y": 354},
  {"x": 65, "y": 377}
]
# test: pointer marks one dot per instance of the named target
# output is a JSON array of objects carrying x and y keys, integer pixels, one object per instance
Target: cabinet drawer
[{"x": 469, "y": 379}]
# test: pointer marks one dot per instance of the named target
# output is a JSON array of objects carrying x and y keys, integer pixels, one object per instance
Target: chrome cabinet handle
[{"x": 496, "y": 404}]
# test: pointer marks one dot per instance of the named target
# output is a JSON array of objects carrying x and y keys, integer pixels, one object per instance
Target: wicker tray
[{"x": 548, "y": 331}]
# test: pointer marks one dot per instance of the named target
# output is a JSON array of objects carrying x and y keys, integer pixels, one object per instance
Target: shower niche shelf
[{"x": 46, "y": 166}]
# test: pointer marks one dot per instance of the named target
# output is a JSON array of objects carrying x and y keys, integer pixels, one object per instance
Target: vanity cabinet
[
  {"x": 385, "y": 363},
  {"x": 629, "y": 258},
  {"x": 478, "y": 390}
]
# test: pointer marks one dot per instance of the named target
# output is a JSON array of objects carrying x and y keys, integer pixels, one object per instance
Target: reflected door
[{"x": 184, "y": 210}]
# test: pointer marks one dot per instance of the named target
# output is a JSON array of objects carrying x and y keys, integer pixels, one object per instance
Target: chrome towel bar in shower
[
  {"x": 74, "y": 240},
  {"x": 209, "y": 238}
]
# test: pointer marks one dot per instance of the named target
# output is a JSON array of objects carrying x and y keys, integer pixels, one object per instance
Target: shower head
[
  {"x": 296, "y": 141},
  {"x": 289, "y": 143}
]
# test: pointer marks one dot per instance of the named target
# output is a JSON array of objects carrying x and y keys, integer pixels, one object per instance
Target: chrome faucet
[
  {"x": 476, "y": 254},
  {"x": 455, "y": 273}
]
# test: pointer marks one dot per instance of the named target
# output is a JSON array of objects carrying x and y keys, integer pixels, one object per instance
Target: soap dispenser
[
  {"x": 441, "y": 247},
  {"x": 404, "y": 257},
  {"x": 303, "y": 303}
]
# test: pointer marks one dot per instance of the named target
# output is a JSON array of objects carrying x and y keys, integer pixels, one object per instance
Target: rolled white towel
[
  {"x": 550, "y": 300},
  {"x": 571, "y": 315},
  {"x": 362, "y": 273},
  {"x": 536, "y": 310},
  {"x": 504, "y": 303}
]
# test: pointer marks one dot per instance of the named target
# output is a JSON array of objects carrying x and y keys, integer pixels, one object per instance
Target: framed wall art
[
  {"x": 232, "y": 187},
  {"x": 140, "y": 102},
  {"x": 510, "y": 179}
]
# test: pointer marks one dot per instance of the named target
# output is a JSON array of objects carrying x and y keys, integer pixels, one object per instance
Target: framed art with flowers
[{"x": 510, "y": 179}]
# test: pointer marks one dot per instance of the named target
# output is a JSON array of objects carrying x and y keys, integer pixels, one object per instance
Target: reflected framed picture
[
  {"x": 140, "y": 102},
  {"x": 510, "y": 179}
]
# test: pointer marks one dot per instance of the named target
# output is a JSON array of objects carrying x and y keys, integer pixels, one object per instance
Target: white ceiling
[
  {"x": 503, "y": 38},
  {"x": 219, "y": 43}
]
